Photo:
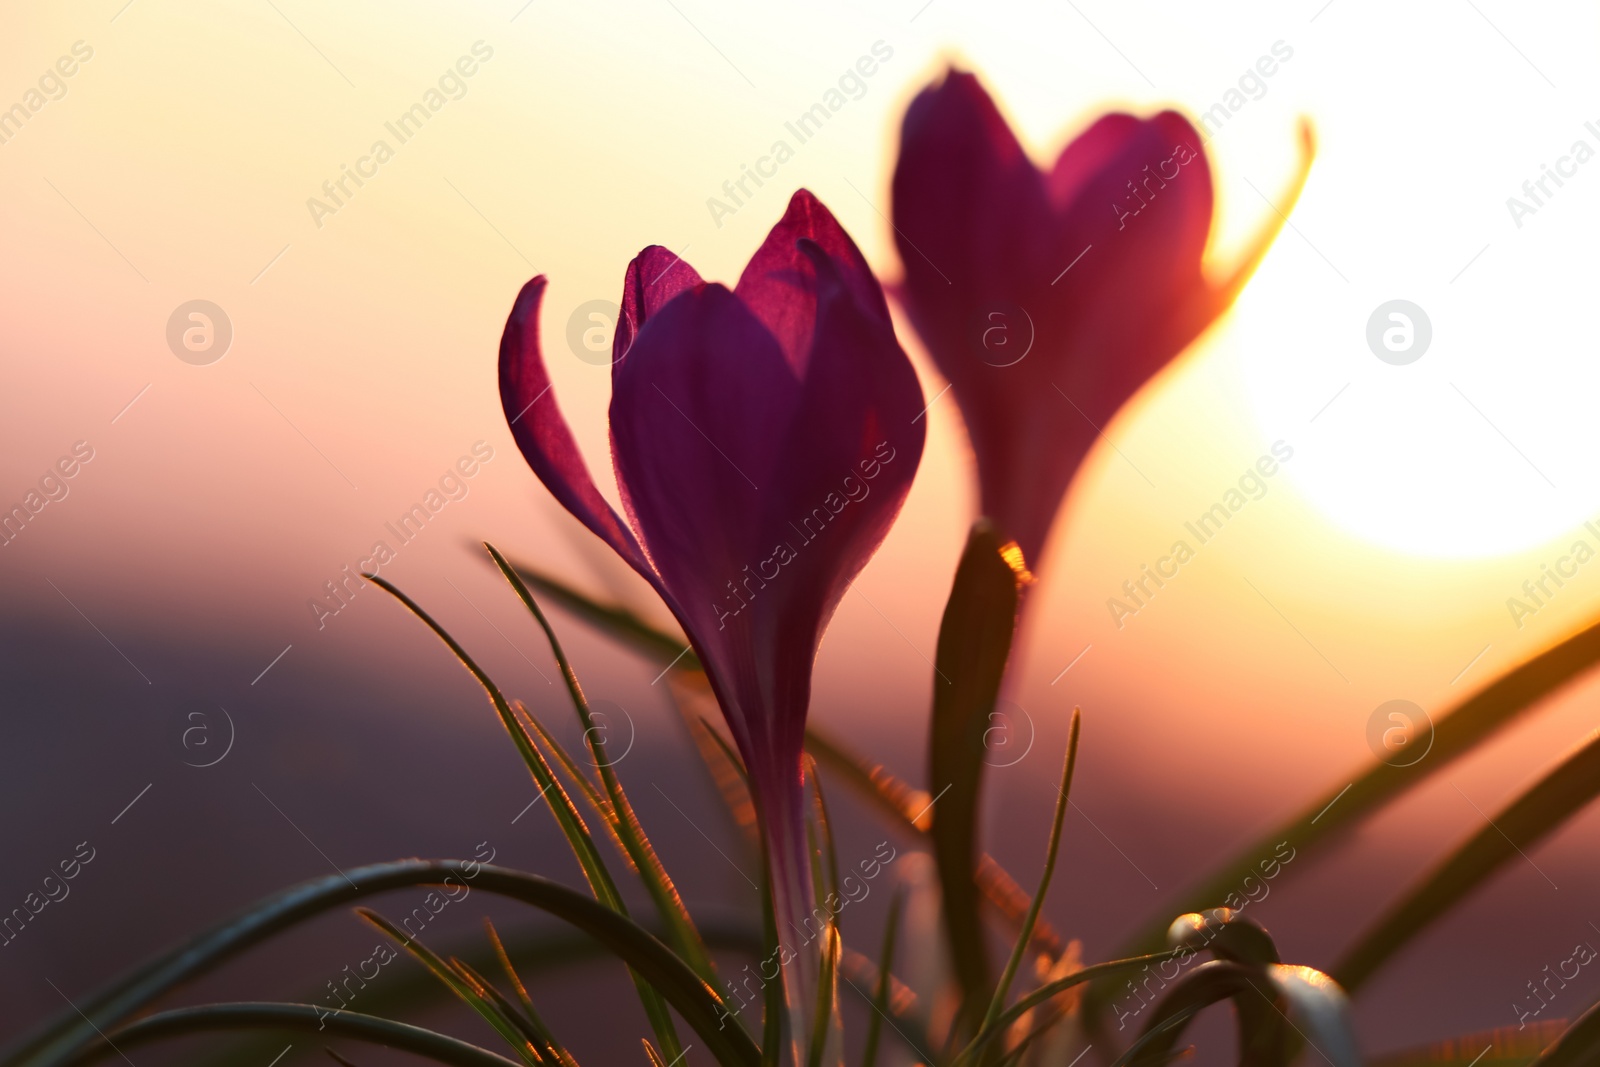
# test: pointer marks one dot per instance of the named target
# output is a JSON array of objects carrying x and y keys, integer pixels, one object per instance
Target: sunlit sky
[{"x": 1377, "y": 565}]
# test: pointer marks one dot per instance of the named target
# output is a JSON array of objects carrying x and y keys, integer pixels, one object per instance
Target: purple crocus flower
[
  {"x": 1047, "y": 298},
  {"x": 763, "y": 439}
]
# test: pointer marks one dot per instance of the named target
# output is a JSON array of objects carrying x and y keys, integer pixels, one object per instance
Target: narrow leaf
[
  {"x": 1317, "y": 1013},
  {"x": 546, "y": 1039},
  {"x": 1226, "y": 933},
  {"x": 822, "y": 1023},
  {"x": 727, "y": 772},
  {"x": 612, "y": 620},
  {"x": 880, "y": 999},
  {"x": 571, "y": 823},
  {"x": 1051, "y": 990},
  {"x": 624, "y": 822},
  {"x": 1504, "y": 1046},
  {"x": 653, "y": 961},
  {"x": 900, "y": 802},
  {"x": 472, "y": 996},
  {"x": 532, "y": 1033},
  {"x": 904, "y": 1013},
  {"x": 1457, "y": 732},
  {"x": 772, "y": 999},
  {"x": 1579, "y": 1046},
  {"x": 1562, "y": 792},
  {"x": 998, "y": 1002},
  {"x": 974, "y": 643},
  {"x": 307, "y": 1018},
  {"x": 903, "y": 804},
  {"x": 910, "y": 810},
  {"x": 825, "y": 1028}
]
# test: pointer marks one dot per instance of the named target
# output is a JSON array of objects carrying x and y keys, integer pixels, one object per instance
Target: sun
[{"x": 1430, "y": 417}]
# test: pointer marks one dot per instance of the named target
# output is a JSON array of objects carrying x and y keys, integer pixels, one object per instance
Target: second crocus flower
[{"x": 1048, "y": 297}]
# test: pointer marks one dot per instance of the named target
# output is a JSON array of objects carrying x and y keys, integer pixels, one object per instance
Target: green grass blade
[
  {"x": 880, "y": 998},
  {"x": 1051, "y": 990},
  {"x": 729, "y": 753},
  {"x": 553, "y": 1049},
  {"x": 571, "y": 823},
  {"x": 1504, "y": 1046},
  {"x": 305, "y": 1018},
  {"x": 1313, "y": 1009},
  {"x": 974, "y": 643},
  {"x": 1160, "y": 1034},
  {"x": 1003, "y": 988},
  {"x": 1021, "y": 1049},
  {"x": 597, "y": 803},
  {"x": 825, "y": 863},
  {"x": 1207, "y": 984},
  {"x": 1558, "y": 795},
  {"x": 561, "y": 806},
  {"x": 652, "y": 1055},
  {"x": 727, "y": 773},
  {"x": 901, "y": 803},
  {"x": 1227, "y": 934},
  {"x": 652, "y": 961},
  {"x": 1455, "y": 733},
  {"x": 1317, "y": 1010},
  {"x": 625, "y": 822},
  {"x": 825, "y": 879},
  {"x": 534, "y": 1034},
  {"x": 1579, "y": 1046},
  {"x": 614, "y": 621},
  {"x": 909, "y": 810},
  {"x": 772, "y": 1000},
  {"x": 649, "y": 958},
  {"x": 469, "y": 994},
  {"x": 822, "y": 1021}
]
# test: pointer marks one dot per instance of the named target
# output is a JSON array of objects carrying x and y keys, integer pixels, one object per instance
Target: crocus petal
[
  {"x": 1047, "y": 300},
  {"x": 655, "y": 276},
  {"x": 779, "y": 284},
  {"x": 1089, "y": 153},
  {"x": 541, "y": 431},
  {"x": 697, "y": 412},
  {"x": 854, "y": 436},
  {"x": 851, "y": 453},
  {"x": 1145, "y": 216},
  {"x": 971, "y": 214}
]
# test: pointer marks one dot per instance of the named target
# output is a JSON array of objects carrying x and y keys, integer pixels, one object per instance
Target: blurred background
[{"x": 166, "y": 586}]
